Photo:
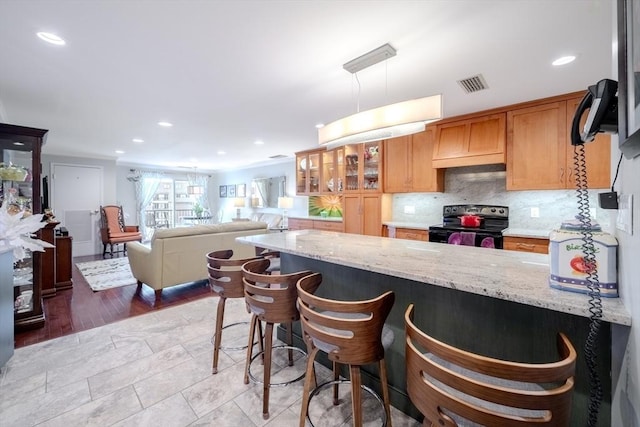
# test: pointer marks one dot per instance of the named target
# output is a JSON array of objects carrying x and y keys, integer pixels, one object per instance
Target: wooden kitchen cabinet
[
  {"x": 526, "y": 244},
  {"x": 407, "y": 233},
  {"x": 332, "y": 171},
  {"x": 300, "y": 224},
  {"x": 308, "y": 172},
  {"x": 408, "y": 166},
  {"x": 363, "y": 167},
  {"x": 364, "y": 213},
  {"x": 473, "y": 141},
  {"x": 539, "y": 150}
]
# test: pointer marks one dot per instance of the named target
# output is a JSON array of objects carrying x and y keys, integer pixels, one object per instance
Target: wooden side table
[{"x": 63, "y": 262}]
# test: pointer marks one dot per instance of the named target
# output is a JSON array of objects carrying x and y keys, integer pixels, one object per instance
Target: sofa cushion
[{"x": 225, "y": 227}]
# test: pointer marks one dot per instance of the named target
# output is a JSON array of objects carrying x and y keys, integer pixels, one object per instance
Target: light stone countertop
[
  {"x": 520, "y": 277},
  {"x": 525, "y": 232}
]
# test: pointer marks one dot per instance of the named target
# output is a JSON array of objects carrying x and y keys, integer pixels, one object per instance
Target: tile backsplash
[{"x": 487, "y": 185}]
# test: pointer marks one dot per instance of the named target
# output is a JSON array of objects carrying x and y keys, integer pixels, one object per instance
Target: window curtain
[
  {"x": 146, "y": 185},
  {"x": 201, "y": 199}
]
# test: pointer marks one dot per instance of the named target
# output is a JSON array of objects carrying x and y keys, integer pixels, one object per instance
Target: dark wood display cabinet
[{"x": 20, "y": 178}]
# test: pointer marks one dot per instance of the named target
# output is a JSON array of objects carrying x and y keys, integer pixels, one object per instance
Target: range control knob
[
  {"x": 454, "y": 209},
  {"x": 493, "y": 210},
  {"x": 501, "y": 211}
]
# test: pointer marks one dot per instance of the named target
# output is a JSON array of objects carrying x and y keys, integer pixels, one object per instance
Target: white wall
[{"x": 224, "y": 206}]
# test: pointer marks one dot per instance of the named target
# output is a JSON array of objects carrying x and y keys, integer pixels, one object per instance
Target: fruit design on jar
[{"x": 581, "y": 266}]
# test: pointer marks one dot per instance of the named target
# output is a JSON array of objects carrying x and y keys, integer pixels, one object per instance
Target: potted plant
[{"x": 198, "y": 209}]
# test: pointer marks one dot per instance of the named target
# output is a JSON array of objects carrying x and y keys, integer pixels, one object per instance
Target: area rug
[{"x": 107, "y": 273}]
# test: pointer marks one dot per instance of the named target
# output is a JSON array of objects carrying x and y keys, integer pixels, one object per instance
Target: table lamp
[
  {"x": 238, "y": 203},
  {"x": 285, "y": 203}
]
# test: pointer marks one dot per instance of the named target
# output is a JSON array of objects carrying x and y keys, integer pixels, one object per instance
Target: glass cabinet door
[
  {"x": 332, "y": 172},
  {"x": 372, "y": 166},
  {"x": 308, "y": 173}
]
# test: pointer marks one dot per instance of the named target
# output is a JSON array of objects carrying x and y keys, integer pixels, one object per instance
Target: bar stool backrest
[
  {"x": 272, "y": 297},
  {"x": 348, "y": 331},
  {"x": 446, "y": 383},
  {"x": 225, "y": 274}
]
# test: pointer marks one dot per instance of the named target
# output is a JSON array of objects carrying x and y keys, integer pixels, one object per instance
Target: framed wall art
[
  {"x": 241, "y": 190},
  {"x": 231, "y": 191},
  {"x": 223, "y": 191}
]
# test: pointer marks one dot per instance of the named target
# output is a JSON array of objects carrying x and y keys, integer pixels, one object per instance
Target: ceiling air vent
[{"x": 473, "y": 84}]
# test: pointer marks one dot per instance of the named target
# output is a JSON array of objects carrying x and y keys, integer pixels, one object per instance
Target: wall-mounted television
[{"x": 629, "y": 77}]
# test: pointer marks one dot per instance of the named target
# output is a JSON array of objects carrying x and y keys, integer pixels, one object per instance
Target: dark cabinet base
[{"x": 63, "y": 262}]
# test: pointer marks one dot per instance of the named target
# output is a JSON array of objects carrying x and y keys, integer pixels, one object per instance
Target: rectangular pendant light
[{"x": 389, "y": 121}]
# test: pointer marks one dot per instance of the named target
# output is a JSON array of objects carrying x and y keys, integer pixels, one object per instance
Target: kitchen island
[{"x": 494, "y": 302}]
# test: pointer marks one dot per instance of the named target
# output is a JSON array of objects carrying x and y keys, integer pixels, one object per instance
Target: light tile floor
[{"x": 155, "y": 370}]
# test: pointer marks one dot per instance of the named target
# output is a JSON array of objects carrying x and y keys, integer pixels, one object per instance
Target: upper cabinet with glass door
[
  {"x": 363, "y": 167},
  {"x": 332, "y": 171},
  {"x": 308, "y": 172}
]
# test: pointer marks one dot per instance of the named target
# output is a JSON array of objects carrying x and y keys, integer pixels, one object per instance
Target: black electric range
[{"x": 494, "y": 219}]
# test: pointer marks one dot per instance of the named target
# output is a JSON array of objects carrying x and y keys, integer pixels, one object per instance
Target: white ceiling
[{"x": 227, "y": 73}]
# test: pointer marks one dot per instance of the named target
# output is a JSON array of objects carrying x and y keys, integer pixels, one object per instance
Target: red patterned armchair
[{"x": 113, "y": 231}]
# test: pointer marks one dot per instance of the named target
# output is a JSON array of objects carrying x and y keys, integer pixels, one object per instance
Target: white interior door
[{"x": 76, "y": 197}]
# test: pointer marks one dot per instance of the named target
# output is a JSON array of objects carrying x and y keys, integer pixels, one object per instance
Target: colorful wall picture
[
  {"x": 325, "y": 206},
  {"x": 223, "y": 191},
  {"x": 231, "y": 191}
]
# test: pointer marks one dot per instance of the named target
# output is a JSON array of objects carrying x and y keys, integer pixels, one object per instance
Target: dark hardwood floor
[{"x": 79, "y": 308}]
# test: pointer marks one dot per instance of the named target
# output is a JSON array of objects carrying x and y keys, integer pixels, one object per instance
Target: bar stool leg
[
  {"x": 218, "y": 334},
  {"x": 268, "y": 345},
  {"x": 385, "y": 390},
  {"x": 310, "y": 383},
  {"x": 252, "y": 333},
  {"x": 356, "y": 398},
  {"x": 336, "y": 384},
  {"x": 290, "y": 342}
]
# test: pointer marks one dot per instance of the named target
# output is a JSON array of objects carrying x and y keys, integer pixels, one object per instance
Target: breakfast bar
[{"x": 490, "y": 301}]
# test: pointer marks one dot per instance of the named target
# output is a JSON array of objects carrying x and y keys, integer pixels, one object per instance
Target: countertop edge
[{"x": 556, "y": 300}]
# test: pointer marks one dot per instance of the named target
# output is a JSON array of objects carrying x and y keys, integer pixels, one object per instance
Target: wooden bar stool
[
  {"x": 454, "y": 387},
  {"x": 225, "y": 280},
  {"x": 351, "y": 333},
  {"x": 271, "y": 298}
]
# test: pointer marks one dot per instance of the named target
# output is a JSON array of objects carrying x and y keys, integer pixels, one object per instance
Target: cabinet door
[
  {"x": 397, "y": 152},
  {"x": 424, "y": 178},
  {"x": 308, "y": 172},
  {"x": 597, "y": 153},
  {"x": 352, "y": 215},
  {"x": 371, "y": 215},
  {"x": 372, "y": 153},
  {"x": 526, "y": 244},
  {"x": 332, "y": 171},
  {"x": 476, "y": 141},
  {"x": 300, "y": 224},
  {"x": 536, "y": 147}
]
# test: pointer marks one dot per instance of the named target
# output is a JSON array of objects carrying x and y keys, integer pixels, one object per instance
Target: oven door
[{"x": 480, "y": 238}]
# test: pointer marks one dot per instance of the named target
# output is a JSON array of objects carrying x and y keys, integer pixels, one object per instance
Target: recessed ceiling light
[
  {"x": 137, "y": 140},
  {"x": 222, "y": 153},
  {"x": 319, "y": 125},
  {"x": 119, "y": 152},
  {"x": 259, "y": 142},
  {"x": 51, "y": 38},
  {"x": 165, "y": 124},
  {"x": 564, "y": 60}
]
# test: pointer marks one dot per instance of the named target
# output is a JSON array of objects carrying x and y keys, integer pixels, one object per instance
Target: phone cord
[{"x": 593, "y": 284}]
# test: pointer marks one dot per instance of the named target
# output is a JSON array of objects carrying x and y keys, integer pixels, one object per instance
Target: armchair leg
[{"x": 104, "y": 249}]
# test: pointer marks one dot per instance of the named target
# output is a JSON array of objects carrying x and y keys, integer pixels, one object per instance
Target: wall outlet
[
  {"x": 535, "y": 212},
  {"x": 410, "y": 209}
]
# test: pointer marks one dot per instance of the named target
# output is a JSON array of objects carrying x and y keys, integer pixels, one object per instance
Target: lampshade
[
  {"x": 389, "y": 121},
  {"x": 239, "y": 202},
  {"x": 285, "y": 202}
]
